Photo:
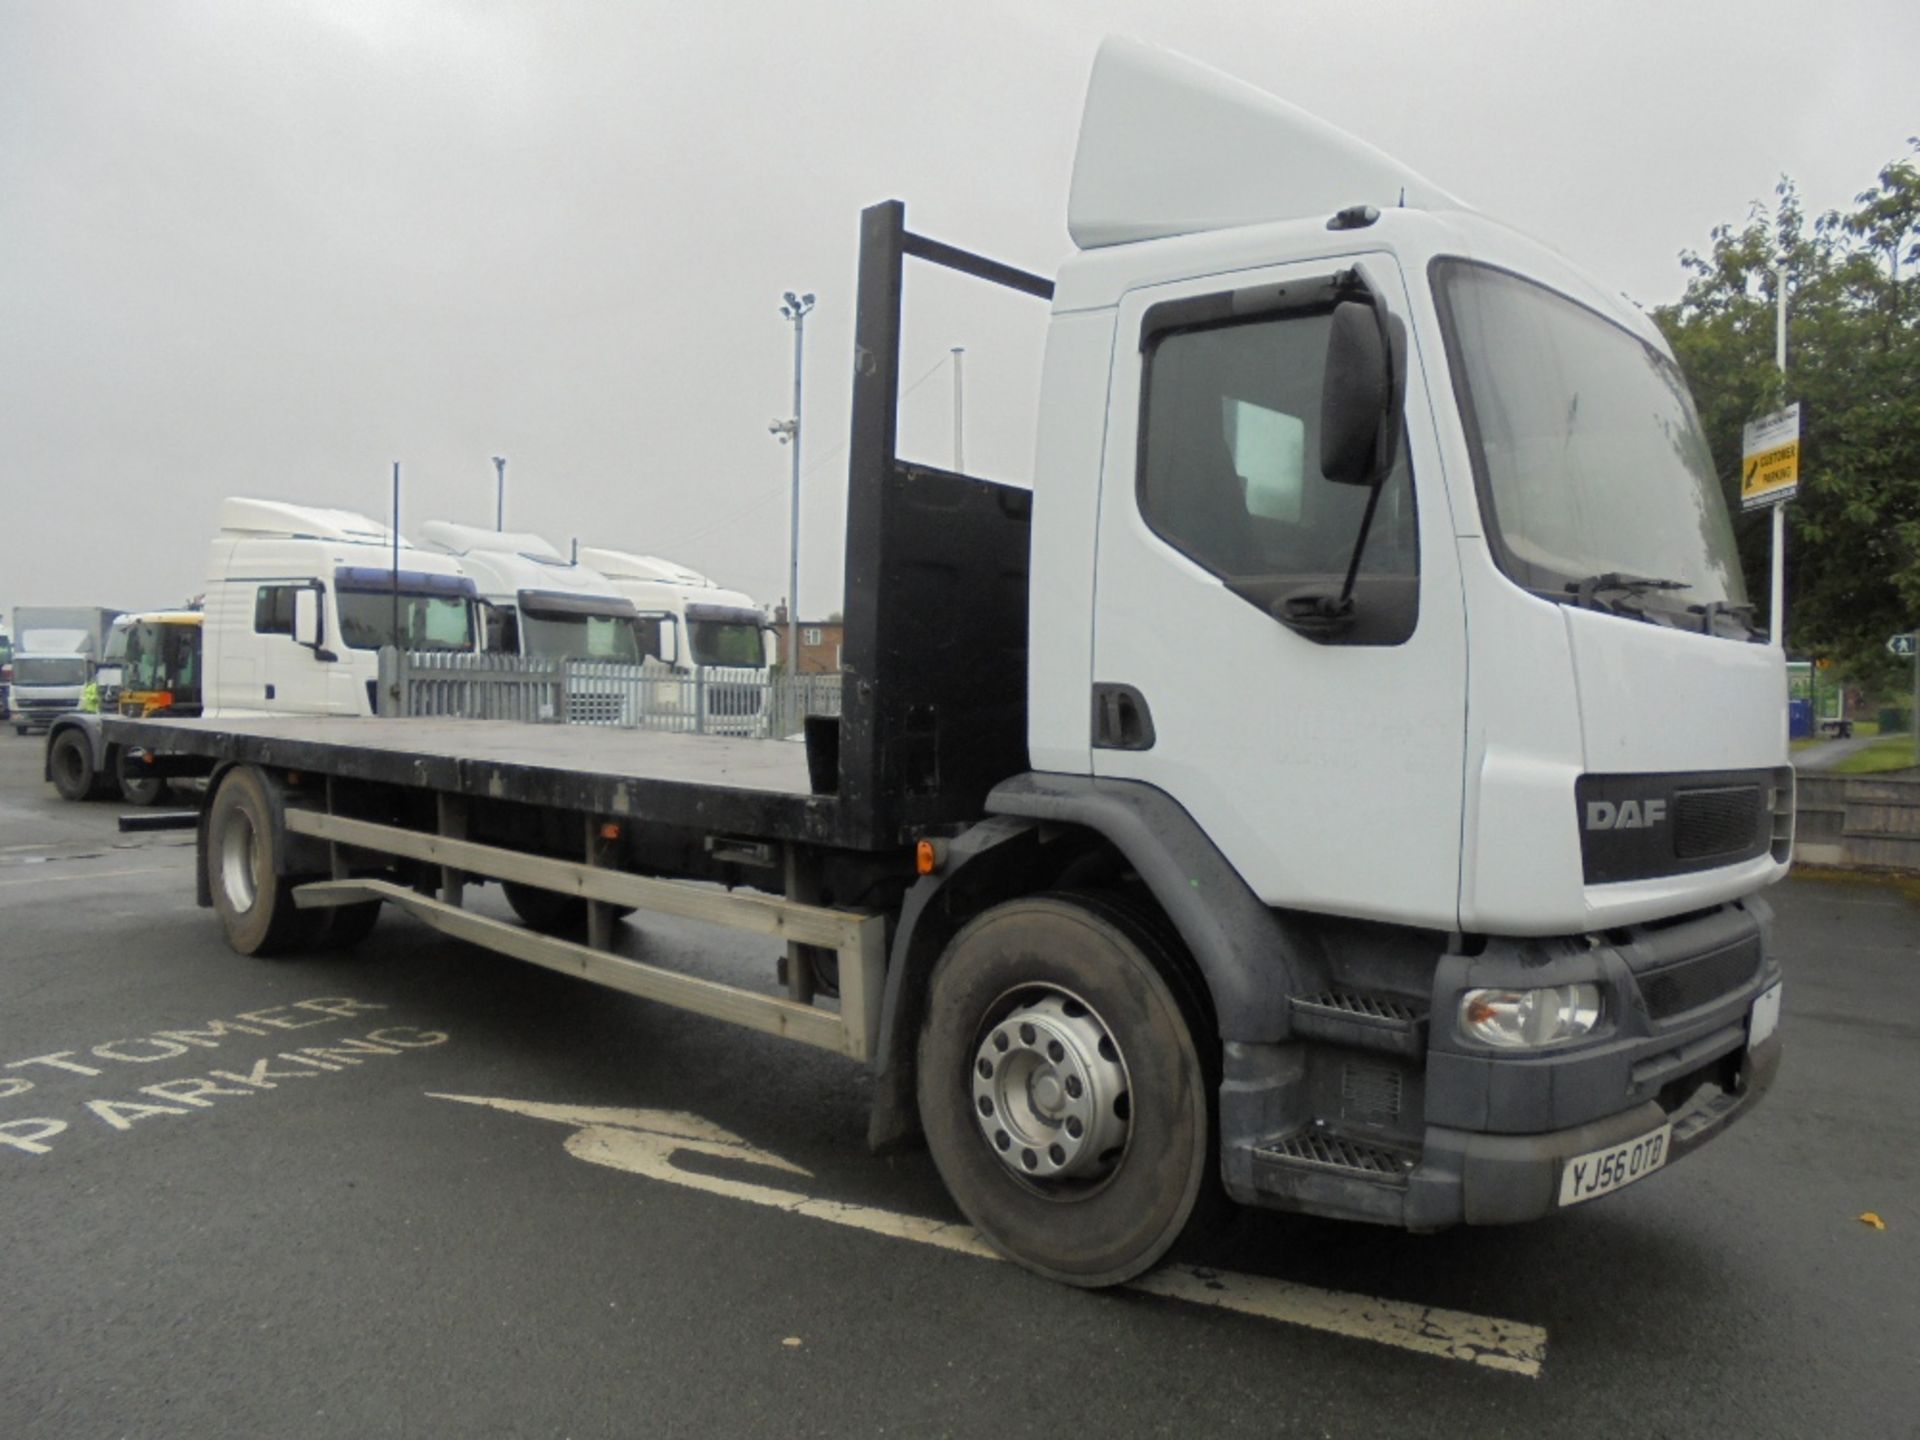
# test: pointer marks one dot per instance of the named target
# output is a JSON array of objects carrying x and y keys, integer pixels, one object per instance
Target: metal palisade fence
[{"x": 712, "y": 700}]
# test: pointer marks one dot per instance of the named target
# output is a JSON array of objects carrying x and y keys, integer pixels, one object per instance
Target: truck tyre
[
  {"x": 550, "y": 912},
  {"x": 255, "y": 904},
  {"x": 136, "y": 787},
  {"x": 545, "y": 910},
  {"x": 1061, "y": 1088},
  {"x": 344, "y": 926},
  {"x": 71, "y": 761}
]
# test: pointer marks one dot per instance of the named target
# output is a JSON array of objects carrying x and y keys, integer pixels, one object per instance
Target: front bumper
[
  {"x": 1503, "y": 1179},
  {"x": 1443, "y": 1132}
]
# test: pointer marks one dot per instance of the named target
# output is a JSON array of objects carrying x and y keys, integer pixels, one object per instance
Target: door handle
[{"x": 1121, "y": 718}]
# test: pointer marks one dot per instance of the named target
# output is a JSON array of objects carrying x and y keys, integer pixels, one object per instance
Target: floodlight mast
[{"x": 795, "y": 309}]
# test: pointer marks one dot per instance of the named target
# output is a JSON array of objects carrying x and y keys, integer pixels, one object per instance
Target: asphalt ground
[{"x": 314, "y": 1241}]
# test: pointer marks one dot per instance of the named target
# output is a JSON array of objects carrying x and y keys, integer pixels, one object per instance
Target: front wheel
[{"x": 1061, "y": 1089}]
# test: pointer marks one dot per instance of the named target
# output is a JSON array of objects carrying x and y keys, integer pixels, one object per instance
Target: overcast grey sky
[{"x": 267, "y": 248}]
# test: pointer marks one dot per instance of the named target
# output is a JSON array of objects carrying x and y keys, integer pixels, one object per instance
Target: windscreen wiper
[
  {"x": 1714, "y": 609},
  {"x": 1586, "y": 593}
]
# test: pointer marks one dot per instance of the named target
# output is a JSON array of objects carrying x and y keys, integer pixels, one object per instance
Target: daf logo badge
[{"x": 1627, "y": 815}]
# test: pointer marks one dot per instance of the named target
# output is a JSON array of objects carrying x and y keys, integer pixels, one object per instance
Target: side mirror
[
  {"x": 306, "y": 617},
  {"x": 1353, "y": 402}
]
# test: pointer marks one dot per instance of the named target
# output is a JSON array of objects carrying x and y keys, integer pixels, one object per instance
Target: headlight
[{"x": 1529, "y": 1019}]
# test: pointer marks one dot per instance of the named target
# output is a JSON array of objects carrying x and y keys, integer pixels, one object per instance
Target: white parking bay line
[
  {"x": 644, "y": 1142},
  {"x": 93, "y": 875}
]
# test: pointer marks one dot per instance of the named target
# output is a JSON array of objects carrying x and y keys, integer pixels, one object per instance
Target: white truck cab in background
[
  {"x": 712, "y": 639},
  {"x": 685, "y": 619},
  {"x": 300, "y": 600},
  {"x": 535, "y": 603}
]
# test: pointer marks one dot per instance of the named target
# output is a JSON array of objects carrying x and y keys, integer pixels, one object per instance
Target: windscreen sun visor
[
  {"x": 373, "y": 579},
  {"x": 724, "y": 615},
  {"x": 559, "y": 605}
]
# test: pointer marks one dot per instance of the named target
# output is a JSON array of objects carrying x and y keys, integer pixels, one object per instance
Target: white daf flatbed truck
[{"x": 1424, "y": 891}]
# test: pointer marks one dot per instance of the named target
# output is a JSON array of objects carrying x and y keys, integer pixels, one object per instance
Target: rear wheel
[
  {"x": 71, "y": 761},
  {"x": 545, "y": 910},
  {"x": 254, "y": 903},
  {"x": 347, "y": 925},
  {"x": 550, "y": 912},
  {"x": 137, "y": 787},
  {"x": 1061, "y": 1088}
]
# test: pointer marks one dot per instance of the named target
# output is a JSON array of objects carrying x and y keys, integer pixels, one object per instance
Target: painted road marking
[
  {"x": 644, "y": 1142},
  {"x": 92, "y": 875}
]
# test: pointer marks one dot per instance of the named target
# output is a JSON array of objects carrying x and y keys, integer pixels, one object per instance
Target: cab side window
[
  {"x": 273, "y": 610},
  {"x": 1230, "y": 462},
  {"x": 503, "y": 629}
]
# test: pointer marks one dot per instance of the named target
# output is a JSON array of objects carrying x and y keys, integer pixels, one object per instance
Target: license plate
[
  {"x": 1599, "y": 1172},
  {"x": 1766, "y": 1017}
]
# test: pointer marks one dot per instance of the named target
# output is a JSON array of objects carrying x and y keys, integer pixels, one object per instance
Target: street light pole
[
  {"x": 1777, "y": 618},
  {"x": 500, "y": 492},
  {"x": 795, "y": 309}
]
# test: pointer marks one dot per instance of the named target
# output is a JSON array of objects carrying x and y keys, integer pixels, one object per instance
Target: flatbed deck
[{"x": 710, "y": 782}]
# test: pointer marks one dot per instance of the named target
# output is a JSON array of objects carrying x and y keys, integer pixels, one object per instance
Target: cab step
[
  {"x": 1317, "y": 1150},
  {"x": 1363, "y": 1019}
]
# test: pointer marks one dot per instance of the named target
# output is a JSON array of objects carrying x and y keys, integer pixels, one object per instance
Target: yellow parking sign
[{"x": 1770, "y": 459}]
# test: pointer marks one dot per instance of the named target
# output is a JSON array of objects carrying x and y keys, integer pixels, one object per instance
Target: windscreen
[
  {"x": 724, "y": 642},
  {"x": 579, "y": 637},
  {"x": 426, "y": 622},
  {"x": 52, "y": 670},
  {"x": 1586, "y": 448}
]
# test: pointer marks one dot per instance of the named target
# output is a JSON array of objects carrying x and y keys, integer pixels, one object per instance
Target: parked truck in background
[
  {"x": 538, "y": 605},
  {"x": 301, "y": 599},
  {"x": 6, "y": 674},
  {"x": 713, "y": 639},
  {"x": 56, "y": 648},
  {"x": 152, "y": 666},
  {"x": 1346, "y": 778}
]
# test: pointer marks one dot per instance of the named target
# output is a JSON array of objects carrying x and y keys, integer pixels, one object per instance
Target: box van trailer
[
  {"x": 1426, "y": 892},
  {"x": 56, "y": 648}
]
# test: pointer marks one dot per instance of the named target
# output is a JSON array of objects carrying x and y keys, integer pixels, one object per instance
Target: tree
[{"x": 1853, "y": 363}]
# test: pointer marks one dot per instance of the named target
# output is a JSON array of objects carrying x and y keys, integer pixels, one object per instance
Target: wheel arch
[
  {"x": 1251, "y": 957},
  {"x": 1055, "y": 832},
  {"x": 77, "y": 721}
]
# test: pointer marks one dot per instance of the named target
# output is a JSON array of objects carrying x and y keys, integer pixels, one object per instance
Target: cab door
[{"x": 1326, "y": 764}]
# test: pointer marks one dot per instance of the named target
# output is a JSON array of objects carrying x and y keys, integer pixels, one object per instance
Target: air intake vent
[
  {"x": 1370, "y": 1093},
  {"x": 1676, "y": 989},
  {"x": 1717, "y": 822}
]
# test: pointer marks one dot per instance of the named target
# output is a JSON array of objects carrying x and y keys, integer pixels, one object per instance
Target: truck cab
[
  {"x": 1481, "y": 715},
  {"x": 535, "y": 603},
  {"x": 55, "y": 650},
  {"x": 300, "y": 600},
  {"x": 698, "y": 630}
]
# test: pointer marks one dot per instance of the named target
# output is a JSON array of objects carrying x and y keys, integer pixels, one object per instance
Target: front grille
[
  {"x": 1370, "y": 1093},
  {"x": 1722, "y": 821},
  {"x": 592, "y": 708},
  {"x": 1675, "y": 989}
]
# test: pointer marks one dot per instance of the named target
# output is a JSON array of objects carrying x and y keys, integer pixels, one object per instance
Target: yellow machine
[{"x": 152, "y": 665}]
